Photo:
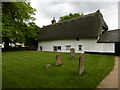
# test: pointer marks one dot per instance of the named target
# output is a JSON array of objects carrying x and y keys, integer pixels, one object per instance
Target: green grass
[{"x": 25, "y": 69}]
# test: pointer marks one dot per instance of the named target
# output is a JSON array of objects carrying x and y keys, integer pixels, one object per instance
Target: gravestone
[
  {"x": 81, "y": 63},
  {"x": 72, "y": 53},
  {"x": 58, "y": 59}
]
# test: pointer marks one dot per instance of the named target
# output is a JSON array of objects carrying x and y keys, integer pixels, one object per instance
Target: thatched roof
[
  {"x": 110, "y": 36},
  {"x": 83, "y": 26}
]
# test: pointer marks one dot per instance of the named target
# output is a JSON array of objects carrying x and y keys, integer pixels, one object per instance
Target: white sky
[{"x": 46, "y": 10}]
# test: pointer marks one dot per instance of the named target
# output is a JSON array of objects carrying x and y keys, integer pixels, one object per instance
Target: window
[
  {"x": 40, "y": 48},
  {"x": 59, "y": 47},
  {"x": 68, "y": 47},
  {"x": 77, "y": 39},
  {"x": 55, "y": 48},
  {"x": 104, "y": 29},
  {"x": 80, "y": 47}
]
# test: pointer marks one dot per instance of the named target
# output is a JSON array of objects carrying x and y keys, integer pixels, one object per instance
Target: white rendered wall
[{"x": 89, "y": 45}]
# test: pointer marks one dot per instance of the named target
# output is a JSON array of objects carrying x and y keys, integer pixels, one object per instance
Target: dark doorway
[
  {"x": 40, "y": 48},
  {"x": 117, "y": 48}
]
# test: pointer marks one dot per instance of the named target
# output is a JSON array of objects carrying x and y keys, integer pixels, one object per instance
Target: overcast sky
[{"x": 47, "y": 10}]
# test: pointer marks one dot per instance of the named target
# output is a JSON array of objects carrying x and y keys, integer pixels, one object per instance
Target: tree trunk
[{"x": 6, "y": 45}]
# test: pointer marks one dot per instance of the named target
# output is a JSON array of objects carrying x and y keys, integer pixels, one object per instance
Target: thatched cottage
[{"x": 80, "y": 33}]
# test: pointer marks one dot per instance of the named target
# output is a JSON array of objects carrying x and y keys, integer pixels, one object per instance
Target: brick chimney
[{"x": 53, "y": 21}]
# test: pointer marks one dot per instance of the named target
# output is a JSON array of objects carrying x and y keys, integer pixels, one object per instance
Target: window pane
[{"x": 54, "y": 48}]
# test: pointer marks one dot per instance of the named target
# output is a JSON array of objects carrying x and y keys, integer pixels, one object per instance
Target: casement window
[
  {"x": 55, "y": 48},
  {"x": 104, "y": 29},
  {"x": 59, "y": 47},
  {"x": 79, "y": 47},
  {"x": 68, "y": 47},
  {"x": 40, "y": 48}
]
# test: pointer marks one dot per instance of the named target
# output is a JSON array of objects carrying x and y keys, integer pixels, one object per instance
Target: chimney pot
[{"x": 53, "y": 21}]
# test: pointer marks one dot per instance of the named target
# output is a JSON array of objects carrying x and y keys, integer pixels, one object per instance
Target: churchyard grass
[{"x": 25, "y": 69}]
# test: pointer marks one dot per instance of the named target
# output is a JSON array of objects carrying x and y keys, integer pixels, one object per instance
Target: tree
[
  {"x": 32, "y": 41},
  {"x": 17, "y": 22},
  {"x": 70, "y": 16}
]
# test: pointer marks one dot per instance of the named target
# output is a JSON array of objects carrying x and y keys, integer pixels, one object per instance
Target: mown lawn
[{"x": 25, "y": 69}]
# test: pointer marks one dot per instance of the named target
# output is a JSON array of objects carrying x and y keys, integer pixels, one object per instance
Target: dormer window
[
  {"x": 104, "y": 29},
  {"x": 77, "y": 39}
]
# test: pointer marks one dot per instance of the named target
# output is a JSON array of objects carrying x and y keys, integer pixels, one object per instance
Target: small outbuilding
[{"x": 112, "y": 36}]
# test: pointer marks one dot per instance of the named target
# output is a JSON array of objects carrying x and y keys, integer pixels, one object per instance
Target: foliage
[
  {"x": 25, "y": 69},
  {"x": 70, "y": 16},
  {"x": 17, "y": 21}
]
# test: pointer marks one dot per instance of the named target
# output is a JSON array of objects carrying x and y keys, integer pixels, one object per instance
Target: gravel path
[{"x": 111, "y": 81}]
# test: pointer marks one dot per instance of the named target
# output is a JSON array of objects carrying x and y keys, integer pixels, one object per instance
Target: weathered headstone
[
  {"x": 72, "y": 53},
  {"x": 81, "y": 63},
  {"x": 58, "y": 59},
  {"x": 47, "y": 66}
]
